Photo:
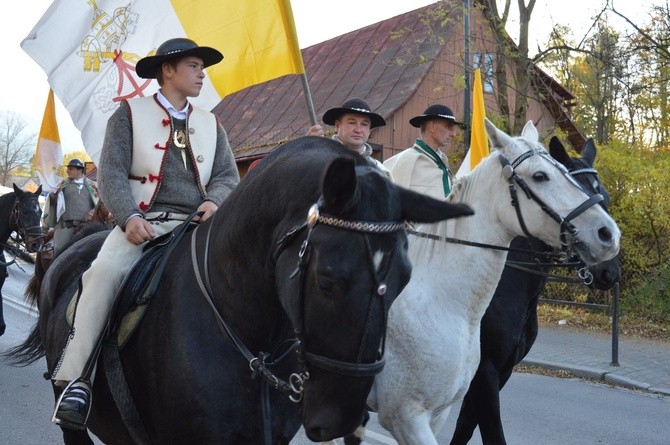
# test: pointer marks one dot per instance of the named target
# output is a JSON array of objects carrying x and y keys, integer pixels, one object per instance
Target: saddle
[{"x": 140, "y": 284}]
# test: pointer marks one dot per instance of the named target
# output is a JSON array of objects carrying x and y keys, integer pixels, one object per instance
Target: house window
[{"x": 485, "y": 62}]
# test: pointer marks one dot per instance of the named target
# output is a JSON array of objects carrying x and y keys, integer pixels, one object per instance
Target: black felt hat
[
  {"x": 175, "y": 49},
  {"x": 435, "y": 112},
  {"x": 357, "y": 106},
  {"x": 74, "y": 162}
]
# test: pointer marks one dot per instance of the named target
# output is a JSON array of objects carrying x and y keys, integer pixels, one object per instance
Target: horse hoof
[{"x": 2, "y": 328}]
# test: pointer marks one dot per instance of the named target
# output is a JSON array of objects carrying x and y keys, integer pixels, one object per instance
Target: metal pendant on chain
[{"x": 179, "y": 140}]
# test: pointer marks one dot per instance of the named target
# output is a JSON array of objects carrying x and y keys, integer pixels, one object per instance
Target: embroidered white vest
[{"x": 152, "y": 129}]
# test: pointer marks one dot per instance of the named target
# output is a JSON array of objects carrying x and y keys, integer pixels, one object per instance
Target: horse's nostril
[{"x": 605, "y": 234}]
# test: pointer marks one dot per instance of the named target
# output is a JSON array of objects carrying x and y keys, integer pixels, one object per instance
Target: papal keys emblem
[{"x": 102, "y": 46}]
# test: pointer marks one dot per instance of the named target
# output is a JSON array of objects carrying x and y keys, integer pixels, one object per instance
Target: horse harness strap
[
  {"x": 537, "y": 253},
  {"x": 23, "y": 232},
  {"x": 565, "y": 226},
  {"x": 510, "y": 175},
  {"x": 585, "y": 276},
  {"x": 256, "y": 363},
  {"x": 355, "y": 369}
]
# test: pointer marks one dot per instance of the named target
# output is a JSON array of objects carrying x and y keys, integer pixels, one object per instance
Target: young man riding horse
[{"x": 162, "y": 160}]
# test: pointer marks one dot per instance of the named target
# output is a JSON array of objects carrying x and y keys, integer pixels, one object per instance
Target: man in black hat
[
  {"x": 162, "y": 160},
  {"x": 424, "y": 167},
  {"x": 353, "y": 122},
  {"x": 70, "y": 206}
]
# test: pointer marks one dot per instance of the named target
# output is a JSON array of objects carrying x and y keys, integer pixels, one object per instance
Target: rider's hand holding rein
[
  {"x": 139, "y": 230},
  {"x": 208, "y": 208}
]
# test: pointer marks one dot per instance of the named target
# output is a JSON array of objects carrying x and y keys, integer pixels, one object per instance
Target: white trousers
[{"x": 99, "y": 286}]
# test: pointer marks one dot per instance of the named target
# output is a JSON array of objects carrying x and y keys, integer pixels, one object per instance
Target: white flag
[{"x": 89, "y": 50}]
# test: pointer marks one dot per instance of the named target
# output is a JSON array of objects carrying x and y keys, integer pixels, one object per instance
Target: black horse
[
  {"x": 20, "y": 212},
  {"x": 300, "y": 266},
  {"x": 509, "y": 327}
]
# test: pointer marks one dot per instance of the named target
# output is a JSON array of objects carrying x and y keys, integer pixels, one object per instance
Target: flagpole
[
  {"x": 308, "y": 98},
  {"x": 466, "y": 94}
]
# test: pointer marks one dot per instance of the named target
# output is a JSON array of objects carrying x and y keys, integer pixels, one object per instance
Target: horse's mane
[
  {"x": 7, "y": 197},
  {"x": 287, "y": 179},
  {"x": 460, "y": 189}
]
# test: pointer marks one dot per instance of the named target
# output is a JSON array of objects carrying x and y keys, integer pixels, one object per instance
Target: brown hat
[
  {"x": 435, "y": 112},
  {"x": 175, "y": 49},
  {"x": 356, "y": 106}
]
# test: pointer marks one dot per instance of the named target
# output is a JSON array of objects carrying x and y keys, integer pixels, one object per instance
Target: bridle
[
  {"x": 314, "y": 217},
  {"x": 258, "y": 363},
  {"x": 568, "y": 233},
  {"x": 15, "y": 223}
]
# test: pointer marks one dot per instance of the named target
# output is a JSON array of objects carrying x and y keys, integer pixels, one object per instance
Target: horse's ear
[
  {"x": 417, "y": 207},
  {"x": 16, "y": 189},
  {"x": 39, "y": 191},
  {"x": 498, "y": 138},
  {"x": 589, "y": 152},
  {"x": 558, "y": 152},
  {"x": 530, "y": 131},
  {"x": 339, "y": 184}
]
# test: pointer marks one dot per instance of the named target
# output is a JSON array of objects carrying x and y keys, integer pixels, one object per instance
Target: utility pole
[{"x": 466, "y": 94}]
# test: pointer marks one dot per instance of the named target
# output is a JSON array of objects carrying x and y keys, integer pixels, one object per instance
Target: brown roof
[{"x": 362, "y": 63}]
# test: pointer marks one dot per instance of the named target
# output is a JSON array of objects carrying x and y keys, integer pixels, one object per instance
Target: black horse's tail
[
  {"x": 27, "y": 352},
  {"x": 32, "y": 292}
]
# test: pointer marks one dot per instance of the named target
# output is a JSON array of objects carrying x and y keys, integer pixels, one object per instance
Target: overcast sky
[{"x": 24, "y": 86}]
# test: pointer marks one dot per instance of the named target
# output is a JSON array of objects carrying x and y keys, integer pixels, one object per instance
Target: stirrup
[{"x": 85, "y": 386}]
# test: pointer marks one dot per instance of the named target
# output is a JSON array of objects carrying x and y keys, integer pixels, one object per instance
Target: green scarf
[{"x": 422, "y": 147}]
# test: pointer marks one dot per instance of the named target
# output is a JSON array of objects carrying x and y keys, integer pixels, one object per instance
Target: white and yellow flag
[
  {"x": 89, "y": 50},
  {"x": 479, "y": 141},
  {"x": 48, "y": 155}
]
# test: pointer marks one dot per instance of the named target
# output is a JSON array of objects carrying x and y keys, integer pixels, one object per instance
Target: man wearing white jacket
[{"x": 424, "y": 167}]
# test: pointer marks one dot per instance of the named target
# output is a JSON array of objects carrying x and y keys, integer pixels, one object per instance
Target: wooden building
[{"x": 398, "y": 66}]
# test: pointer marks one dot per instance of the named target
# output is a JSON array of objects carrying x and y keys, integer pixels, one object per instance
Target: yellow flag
[
  {"x": 479, "y": 142},
  {"x": 91, "y": 67},
  {"x": 258, "y": 39},
  {"x": 48, "y": 154}
]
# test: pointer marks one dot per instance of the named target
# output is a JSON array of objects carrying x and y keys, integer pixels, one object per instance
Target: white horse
[{"x": 432, "y": 347}]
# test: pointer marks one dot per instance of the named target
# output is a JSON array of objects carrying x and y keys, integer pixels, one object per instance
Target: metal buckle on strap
[{"x": 165, "y": 216}]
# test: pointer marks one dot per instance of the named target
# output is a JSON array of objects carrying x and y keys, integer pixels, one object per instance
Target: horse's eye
[
  {"x": 540, "y": 177},
  {"x": 330, "y": 286}
]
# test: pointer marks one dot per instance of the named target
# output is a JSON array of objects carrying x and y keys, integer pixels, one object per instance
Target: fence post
[{"x": 614, "y": 307}]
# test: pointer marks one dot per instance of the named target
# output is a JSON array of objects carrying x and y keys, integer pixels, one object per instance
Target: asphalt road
[{"x": 536, "y": 409}]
